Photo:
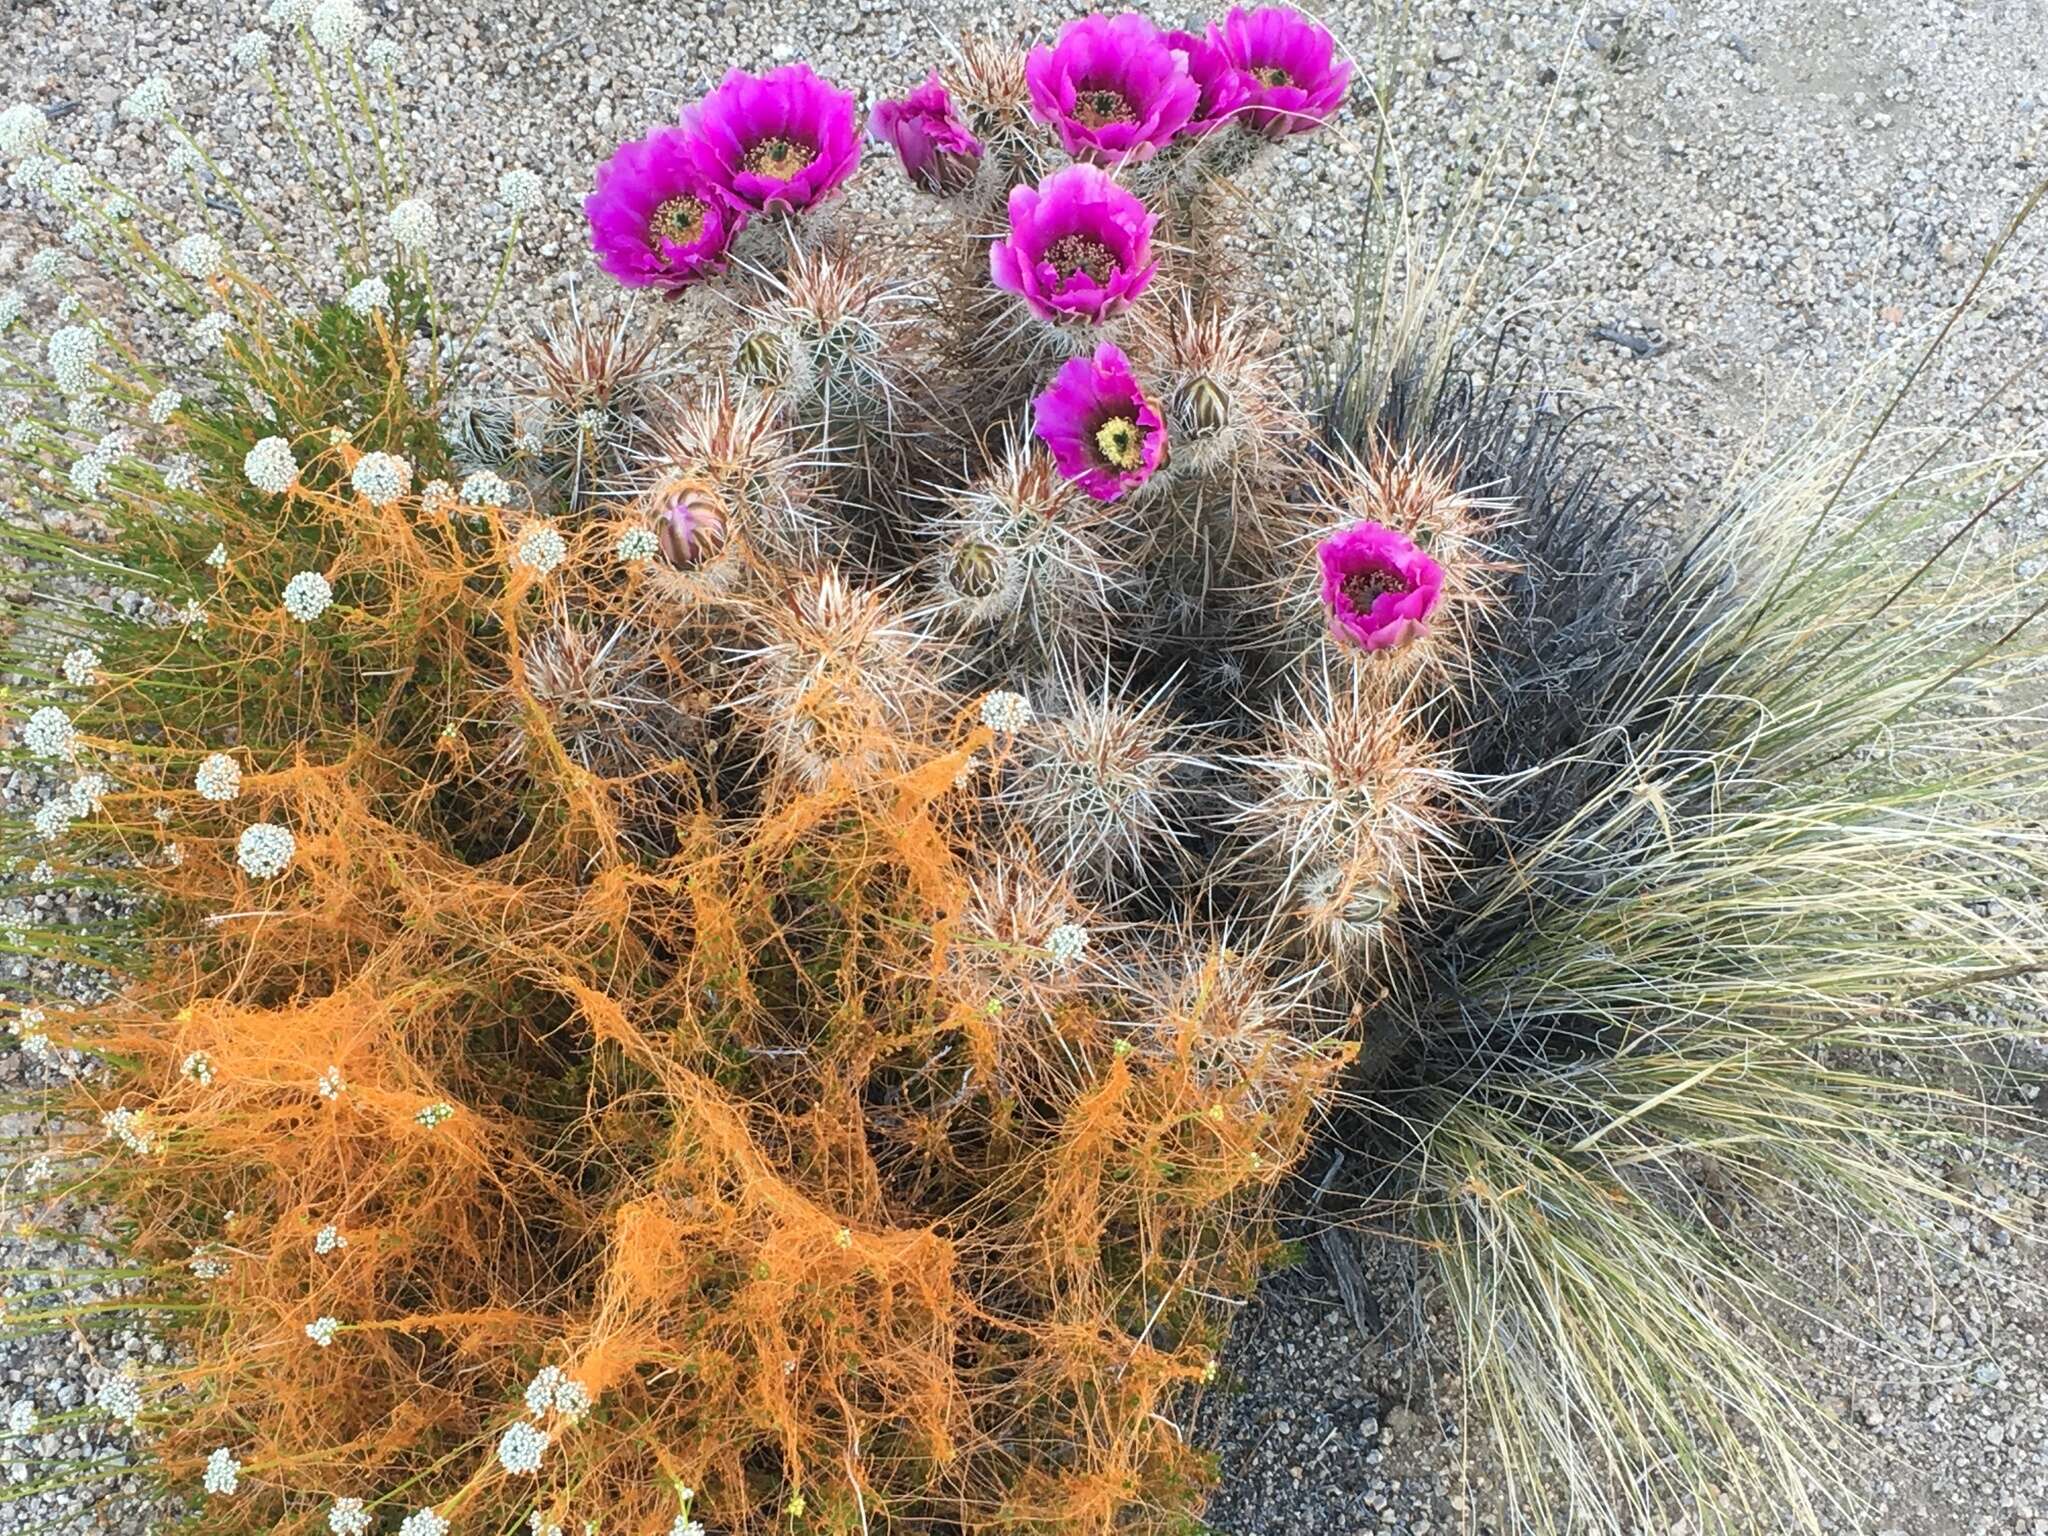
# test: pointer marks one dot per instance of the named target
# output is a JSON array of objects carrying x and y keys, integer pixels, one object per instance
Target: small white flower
[
  {"x": 250, "y": 51},
  {"x": 348, "y": 1518},
  {"x": 120, "y": 1398},
  {"x": 265, "y": 850},
  {"x": 184, "y": 160},
  {"x": 553, "y": 1389},
  {"x": 39, "y": 1172},
  {"x": 423, "y": 1522},
  {"x": 45, "y": 266},
  {"x": 1066, "y": 944},
  {"x": 683, "y": 1525},
  {"x": 637, "y": 546},
  {"x": 12, "y": 305},
  {"x": 130, "y": 1128},
  {"x": 270, "y": 466},
  {"x": 1006, "y": 712},
  {"x": 369, "y": 295},
  {"x": 484, "y": 489},
  {"x": 69, "y": 182},
  {"x": 431, "y": 1115},
  {"x": 223, "y": 1473},
  {"x": 37, "y": 1047},
  {"x": 149, "y": 102},
  {"x": 181, "y": 472},
  {"x": 164, "y": 406},
  {"x": 217, "y": 557},
  {"x": 119, "y": 208},
  {"x": 88, "y": 795},
  {"x": 89, "y": 474},
  {"x": 338, "y": 25},
  {"x": 29, "y": 175},
  {"x": 81, "y": 666},
  {"x": 21, "y": 1418},
  {"x": 519, "y": 1448},
  {"x": 192, "y": 615},
  {"x": 54, "y": 817},
  {"x": 49, "y": 733},
  {"x": 322, "y": 1330},
  {"x": 174, "y": 856},
  {"x": 71, "y": 352},
  {"x": 329, "y": 1239},
  {"x": 199, "y": 257},
  {"x": 42, "y": 874},
  {"x": 30, "y": 1018},
  {"x": 289, "y": 13},
  {"x": 381, "y": 478},
  {"x": 541, "y": 547},
  {"x": 382, "y": 54},
  {"x": 23, "y": 130},
  {"x": 414, "y": 224},
  {"x": 209, "y": 331},
  {"x": 520, "y": 190},
  {"x": 197, "y": 1066},
  {"x": 307, "y": 596},
  {"x": 219, "y": 777},
  {"x": 330, "y": 1085},
  {"x": 209, "y": 1266}
]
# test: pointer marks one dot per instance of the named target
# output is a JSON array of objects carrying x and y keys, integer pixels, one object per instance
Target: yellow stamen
[
  {"x": 679, "y": 221},
  {"x": 1121, "y": 442},
  {"x": 778, "y": 159}
]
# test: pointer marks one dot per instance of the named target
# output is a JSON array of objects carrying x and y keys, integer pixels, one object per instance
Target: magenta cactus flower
[
  {"x": 1221, "y": 88},
  {"x": 1292, "y": 76},
  {"x": 1079, "y": 247},
  {"x": 1104, "y": 431},
  {"x": 938, "y": 154},
  {"x": 656, "y": 219},
  {"x": 1111, "y": 88},
  {"x": 1379, "y": 586},
  {"x": 780, "y": 141}
]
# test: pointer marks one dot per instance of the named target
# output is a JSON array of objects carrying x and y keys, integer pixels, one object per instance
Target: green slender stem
[{"x": 497, "y": 290}]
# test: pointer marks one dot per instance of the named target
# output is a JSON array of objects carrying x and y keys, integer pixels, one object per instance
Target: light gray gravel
[{"x": 1769, "y": 200}]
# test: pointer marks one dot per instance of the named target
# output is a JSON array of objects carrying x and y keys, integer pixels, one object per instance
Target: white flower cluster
[
  {"x": 219, "y": 777},
  {"x": 381, "y": 478},
  {"x": 120, "y": 1399},
  {"x": 289, "y": 13},
  {"x": 520, "y": 190},
  {"x": 520, "y": 1447},
  {"x": 322, "y": 1330},
  {"x": 223, "y": 1473},
  {"x": 184, "y": 160},
  {"x": 251, "y": 51},
  {"x": 329, "y": 1239},
  {"x": 1066, "y": 944},
  {"x": 198, "y": 1066},
  {"x": 348, "y": 1518},
  {"x": 423, "y": 1522},
  {"x": 307, "y": 596},
  {"x": 539, "y": 1525},
  {"x": 338, "y": 25},
  {"x": 368, "y": 296},
  {"x": 71, "y": 352},
  {"x": 1006, "y": 712},
  {"x": 128, "y": 1127},
  {"x": 431, "y": 1115},
  {"x": 270, "y": 466},
  {"x": 163, "y": 405},
  {"x": 265, "y": 850},
  {"x": 27, "y": 176},
  {"x": 541, "y": 547},
  {"x": 637, "y": 546},
  {"x": 23, "y": 130},
  {"x": 199, "y": 257},
  {"x": 181, "y": 472},
  {"x": 683, "y": 1525},
  {"x": 45, "y": 266},
  {"x": 81, "y": 665},
  {"x": 382, "y": 54},
  {"x": 149, "y": 102},
  {"x": 414, "y": 224},
  {"x": 48, "y": 733},
  {"x": 88, "y": 795},
  {"x": 209, "y": 1266},
  {"x": 484, "y": 489},
  {"x": 21, "y": 1418},
  {"x": 209, "y": 331},
  {"x": 330, "y": 1085},
  {"x": 13, "y": 303},
  {"x": 89, "y": 474},
  {"x": 217, "y": 557},
  {"x": 554, "y": 1390}
]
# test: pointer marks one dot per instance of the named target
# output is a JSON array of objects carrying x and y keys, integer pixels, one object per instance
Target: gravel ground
[{"x": 1706, "y": 218}]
